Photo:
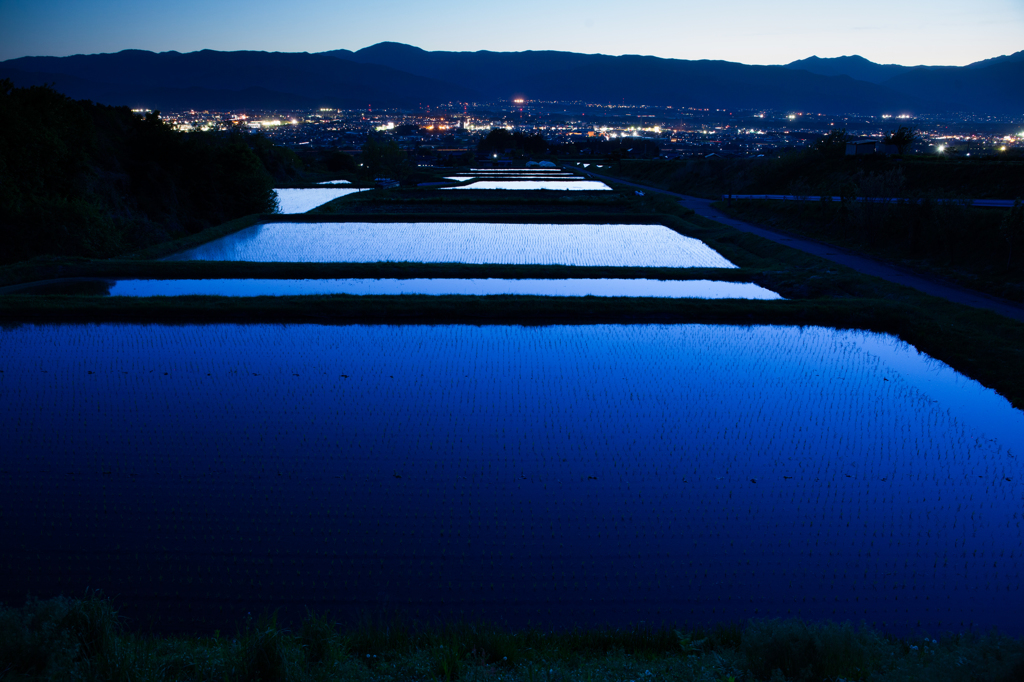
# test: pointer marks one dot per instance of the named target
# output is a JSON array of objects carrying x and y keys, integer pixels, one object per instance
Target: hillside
[
  {"x": 392, "y": 74},
  {"x": 208, "y": 78},
  {"x": 81, "y": 179}
]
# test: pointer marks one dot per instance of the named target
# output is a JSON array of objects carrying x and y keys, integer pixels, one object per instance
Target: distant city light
[
  {"x": 792, "y": 117},
  {"x": 941, "y": 148},
  {"x": 1003, "y": 148}
]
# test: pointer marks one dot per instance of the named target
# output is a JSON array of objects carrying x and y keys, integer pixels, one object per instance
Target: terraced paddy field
[
  {"x": 643, "y": 288},
  {"x": 302, "y": 200},
  {"x": 520, "y": 184},
  {"x": 638, "y": 245},
  {"x": 472, "y": 203},
  {"x": 562, "y": 475}
]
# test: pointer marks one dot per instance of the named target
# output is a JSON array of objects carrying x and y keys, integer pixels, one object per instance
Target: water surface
[
  {"x": 648, "y": 288},
  {"x": 588, "y": 185},
  {"x": 302, "y": 200},
  {"x": 550, "y": 475},
  {"x": 510, "y": 243}
]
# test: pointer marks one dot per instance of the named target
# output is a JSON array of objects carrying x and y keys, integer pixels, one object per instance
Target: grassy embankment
[
  {"x": 967, "y": 248},
  {"x": 86, "y": 640},
  {"x": 934, "y": 233}
]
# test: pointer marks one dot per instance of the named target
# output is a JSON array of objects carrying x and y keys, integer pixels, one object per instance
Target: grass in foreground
[{"x": 85, "y": 639}]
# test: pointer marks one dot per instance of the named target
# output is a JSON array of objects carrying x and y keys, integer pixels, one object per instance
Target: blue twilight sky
[{"x": 752, "y": 31}]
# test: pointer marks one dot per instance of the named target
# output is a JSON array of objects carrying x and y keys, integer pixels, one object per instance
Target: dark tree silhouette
[
  {"x": 902, "y": 138},
  {"x": 81, "y": 179},
  {"x": 833, "y": 144}
]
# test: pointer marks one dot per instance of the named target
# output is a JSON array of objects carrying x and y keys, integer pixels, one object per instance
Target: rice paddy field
[
  {"x": 302, "y": 200},
  {"x": 535, "y": 184},
  {"x": 498, "y": 243},
  {"x": 611, "y": 464},
  {"x": 645, "y": 288},
  {"x": 560, "y": 475},
  {"x": 552, "y": 179}
]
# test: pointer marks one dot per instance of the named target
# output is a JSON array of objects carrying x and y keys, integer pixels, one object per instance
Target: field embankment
[{"x": 85, "y": 639}]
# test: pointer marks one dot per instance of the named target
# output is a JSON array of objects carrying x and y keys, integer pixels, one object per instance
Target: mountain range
[{"x": 393, "y": 74}]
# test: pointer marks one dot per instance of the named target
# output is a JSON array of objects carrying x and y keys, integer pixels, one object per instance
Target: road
[
  {"x": 862, "y": 264},
  {"x": 977, "y": 203}
]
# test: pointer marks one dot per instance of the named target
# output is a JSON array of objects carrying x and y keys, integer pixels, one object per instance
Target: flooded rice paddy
[
  {"x": 522, "y": 244},
  {"x": 553, "y": 475},
  {"x": 648, "y": 288},
  {"x": 517, "y": 184},
  {"x": 302, "y": 200}
]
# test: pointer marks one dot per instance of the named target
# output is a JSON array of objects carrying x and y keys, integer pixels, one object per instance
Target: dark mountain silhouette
[
  {"x": 228, "y": 80},
  {"x": 550, "y": 75},
  {"x": 998, "y": 88},
  {"x": 843, "y": 84},
  {"x": 143, "y": 97},
  {"x": 1015, "y": 57},
  {"x": 392, "y": 74},
  {"x": 854, "y": 66},
  {"x": 992, "y": 85}
]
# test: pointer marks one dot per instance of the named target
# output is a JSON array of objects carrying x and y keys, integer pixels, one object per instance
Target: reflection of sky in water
[
  {"x": 984, "y": 409},
  {"x": 590, "y": 185},
  {"x": 462, "y": 178},
  {"x": 525, "y": 244},
  {"x": 673, "y": 473},
  {"x": 441, "y": 287},
  {"x": 302, "y": 200}
]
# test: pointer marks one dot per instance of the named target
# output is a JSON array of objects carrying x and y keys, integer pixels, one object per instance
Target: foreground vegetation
[
  {"x": 85, "y": 639},
  {"x": 82, "y": 179}
]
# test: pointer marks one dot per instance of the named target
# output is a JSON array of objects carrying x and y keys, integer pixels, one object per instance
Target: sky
[{"x": 935, "y": 32}]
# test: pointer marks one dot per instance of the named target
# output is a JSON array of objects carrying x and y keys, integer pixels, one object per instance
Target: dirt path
[{"x": 862, "y": 264}]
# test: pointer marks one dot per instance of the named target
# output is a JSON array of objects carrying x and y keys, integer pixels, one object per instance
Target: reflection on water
[
  {"x": 589, "y": 185},
  {"x": 553, "y": 475},
  {"x": 443, "y": 287},
  {"x": 512, "y": 243},
  {"x": 302, "y": 200}
]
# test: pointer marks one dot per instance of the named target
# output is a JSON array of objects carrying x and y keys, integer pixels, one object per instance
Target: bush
[
  {"x": 319, "y": 638},
  {"x": 803, "y": 650},
  {"x": 259, "y": 656}
]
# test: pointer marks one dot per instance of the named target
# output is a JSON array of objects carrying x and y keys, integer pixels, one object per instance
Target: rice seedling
[{"x": 555, "y": 475}]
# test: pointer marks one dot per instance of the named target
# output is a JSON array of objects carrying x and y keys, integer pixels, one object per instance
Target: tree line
[{"x": 83, "y": 179}]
